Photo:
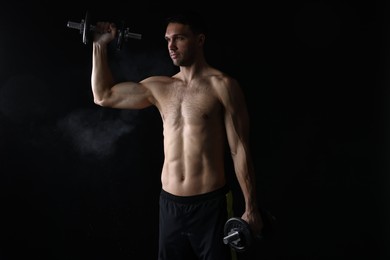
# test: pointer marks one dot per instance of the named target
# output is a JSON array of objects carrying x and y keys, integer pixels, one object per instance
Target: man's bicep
[{"x": 130, "y": 95}]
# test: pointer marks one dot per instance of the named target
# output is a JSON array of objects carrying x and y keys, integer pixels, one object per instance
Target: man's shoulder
[
  {"x": 222, "y": 79},
  {"x": 161, "y": 79}
]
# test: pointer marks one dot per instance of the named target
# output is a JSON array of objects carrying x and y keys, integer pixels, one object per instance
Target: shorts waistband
[{"x": 196, "y": 198}]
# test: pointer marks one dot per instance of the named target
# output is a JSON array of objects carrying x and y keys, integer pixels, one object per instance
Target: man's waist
[{"x": 219, "y": 192}]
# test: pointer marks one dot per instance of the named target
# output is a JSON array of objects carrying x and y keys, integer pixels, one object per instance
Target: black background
[{"x": 81, "y": 182}]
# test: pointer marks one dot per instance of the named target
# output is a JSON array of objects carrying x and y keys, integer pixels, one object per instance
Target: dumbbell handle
[
  {"x": 80, "y": 27},
  {"x": 131, "y": 35},
  {"x": 233, "y": 237}
]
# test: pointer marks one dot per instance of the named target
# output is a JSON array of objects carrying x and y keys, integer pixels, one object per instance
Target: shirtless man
[{"x": 201, "y": 108}]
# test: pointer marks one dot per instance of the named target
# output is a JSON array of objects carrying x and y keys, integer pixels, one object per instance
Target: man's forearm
[
  {"x": 246, "y": 178},
  {"x": 101, "y": 78},
  {"x": 248, "y": 187}
]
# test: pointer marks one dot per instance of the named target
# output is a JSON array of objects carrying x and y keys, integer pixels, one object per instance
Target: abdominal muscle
[{"x": 193, "y": 161}]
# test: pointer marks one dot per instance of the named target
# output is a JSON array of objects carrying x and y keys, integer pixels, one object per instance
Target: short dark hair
[{"x": 193, "y": 19}]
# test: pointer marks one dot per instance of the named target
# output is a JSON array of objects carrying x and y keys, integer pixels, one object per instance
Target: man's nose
[{"x": 171, "y": 46}]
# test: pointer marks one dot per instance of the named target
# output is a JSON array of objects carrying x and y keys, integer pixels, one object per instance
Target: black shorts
[{"x": 192, "y": 227}]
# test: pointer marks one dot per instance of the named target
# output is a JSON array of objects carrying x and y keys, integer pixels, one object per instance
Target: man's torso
[{"x": 194, "y": 137}]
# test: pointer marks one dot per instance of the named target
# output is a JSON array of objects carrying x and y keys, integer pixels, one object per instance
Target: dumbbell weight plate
[
  {"x": 86, "y": 30},
  {"x": 243, "y": 238}
]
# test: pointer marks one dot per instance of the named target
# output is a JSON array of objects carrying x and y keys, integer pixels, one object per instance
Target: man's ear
[{"x": 201, "y": 38}]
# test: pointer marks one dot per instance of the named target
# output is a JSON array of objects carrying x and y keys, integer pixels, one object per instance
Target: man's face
[{"x": 181, "y": 44}]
